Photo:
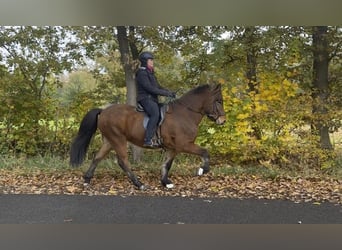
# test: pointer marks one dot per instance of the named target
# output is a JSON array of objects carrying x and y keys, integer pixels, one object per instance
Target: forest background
[{"x": 282, "y": 87}]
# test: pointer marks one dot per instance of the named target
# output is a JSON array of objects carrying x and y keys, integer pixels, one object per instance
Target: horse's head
[{"x": 214, "y": 105}]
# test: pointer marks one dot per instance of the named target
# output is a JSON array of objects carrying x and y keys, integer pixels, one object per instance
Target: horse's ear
[
  {"x": 212, "y": 86},
  {"x": 215, "y": 87}
]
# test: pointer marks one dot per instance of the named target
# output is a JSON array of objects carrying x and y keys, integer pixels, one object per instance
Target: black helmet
[{"x": 144, "y": 57}]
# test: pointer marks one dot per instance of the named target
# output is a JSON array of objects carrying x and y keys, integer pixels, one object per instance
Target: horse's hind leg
[
  {"x": 104, "y": 150},
  {"x": 121, "y": 151},
  {"x": 123, "y": 163},
  {"x": 165, "y": 181}
]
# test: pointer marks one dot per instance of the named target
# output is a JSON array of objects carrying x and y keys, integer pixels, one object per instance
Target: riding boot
[
  {"x": 152, "y": 109},
  {"x": 148, "y": 137}
]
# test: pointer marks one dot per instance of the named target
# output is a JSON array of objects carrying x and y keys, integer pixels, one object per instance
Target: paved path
[{"x": 51, "y": 209}]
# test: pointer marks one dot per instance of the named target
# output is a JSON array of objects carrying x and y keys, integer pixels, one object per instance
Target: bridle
[{"x": 215, "y": 110}]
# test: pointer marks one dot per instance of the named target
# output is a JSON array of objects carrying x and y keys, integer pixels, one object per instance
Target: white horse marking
[{"x": 170, "y": 185}]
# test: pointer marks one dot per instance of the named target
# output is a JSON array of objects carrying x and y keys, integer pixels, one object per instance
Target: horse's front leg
[
  {"x": 165, "y": 181},
  {"x": 203, "y": 153},
  {"x": 205, "y": 168}
]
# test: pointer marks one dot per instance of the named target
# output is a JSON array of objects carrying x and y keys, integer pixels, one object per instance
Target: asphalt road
[{"x": 59, "y": 209}]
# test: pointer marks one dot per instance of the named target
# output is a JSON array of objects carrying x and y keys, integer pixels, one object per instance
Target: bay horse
[{"x": 122, "y": 123}]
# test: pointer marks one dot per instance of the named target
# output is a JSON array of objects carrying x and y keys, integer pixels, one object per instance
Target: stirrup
[{"x": 150, "y": 144}]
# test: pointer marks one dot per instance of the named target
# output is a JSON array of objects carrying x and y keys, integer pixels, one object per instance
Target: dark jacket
[{"x": 148, "y": 86}]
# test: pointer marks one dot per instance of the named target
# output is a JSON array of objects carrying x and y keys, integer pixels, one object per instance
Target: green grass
[
  {"x": 33, "y": 163},
  {"x": 184, "y": 165}
]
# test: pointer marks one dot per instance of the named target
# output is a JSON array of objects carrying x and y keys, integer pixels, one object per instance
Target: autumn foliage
[
  {"x": 280, "y": 112},
  {"x": 269, "y": 125}
]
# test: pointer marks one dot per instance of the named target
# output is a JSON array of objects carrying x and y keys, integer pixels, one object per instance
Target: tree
[
  {"x": 320, "y": 92},
  {"x": 129, "y": 55},
  {"x": 34, "y": 57},
  {"x": 251, "y": 48}
]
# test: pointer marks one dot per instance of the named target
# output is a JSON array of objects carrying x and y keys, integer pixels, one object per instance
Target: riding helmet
[{"x": 144, "y": 57}]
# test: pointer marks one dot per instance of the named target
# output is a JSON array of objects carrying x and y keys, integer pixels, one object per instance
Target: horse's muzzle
[{"x": 221, "y": 120}]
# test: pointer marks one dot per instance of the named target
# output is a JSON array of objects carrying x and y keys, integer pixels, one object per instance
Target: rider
[{"x": 148, "y": 90}]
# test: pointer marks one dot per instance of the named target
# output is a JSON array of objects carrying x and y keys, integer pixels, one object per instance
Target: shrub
[{"x": 267, "y": 125}]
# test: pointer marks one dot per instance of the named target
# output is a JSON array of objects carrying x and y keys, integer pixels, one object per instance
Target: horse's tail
[{"x": 81, "y": 142}]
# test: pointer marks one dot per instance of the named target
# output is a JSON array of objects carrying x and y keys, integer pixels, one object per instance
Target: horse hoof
[
  {"x": 85, "y": 184},
  {"x": 200, "y": 171},
  {"x": 169, "y": 186},
  {"x": 86, "y": 180},
  {"x": 142, "y": 188}
]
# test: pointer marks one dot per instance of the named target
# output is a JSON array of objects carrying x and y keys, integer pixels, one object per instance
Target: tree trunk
[
  {"x": 130, "y": 67},
  {"x": 251, "y": 71},
  {"x": 320, "y": 84}
]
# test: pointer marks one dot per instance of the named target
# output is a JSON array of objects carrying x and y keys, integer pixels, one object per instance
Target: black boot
[{"x": 150, "y": 144}]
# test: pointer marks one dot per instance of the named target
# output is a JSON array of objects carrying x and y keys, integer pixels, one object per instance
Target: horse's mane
[
  {"x": 186, "y": 99},
  {"x": 198, "y": 90}
]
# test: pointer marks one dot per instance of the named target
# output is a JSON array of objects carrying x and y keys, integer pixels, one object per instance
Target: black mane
[
  {"x": 200, "y": 89},
  {"x": 187, "y": 98}
]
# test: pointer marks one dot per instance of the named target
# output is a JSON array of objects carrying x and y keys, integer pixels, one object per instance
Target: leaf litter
[{"x": 297, "y": 189}]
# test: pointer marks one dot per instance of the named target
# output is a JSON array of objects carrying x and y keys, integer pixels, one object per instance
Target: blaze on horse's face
[{"x": 214, "y": 109}]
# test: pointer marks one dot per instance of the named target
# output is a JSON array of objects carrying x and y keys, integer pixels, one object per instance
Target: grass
[
  {"x": 184, "y": 165},
  {"x": 26, "y": 165}
]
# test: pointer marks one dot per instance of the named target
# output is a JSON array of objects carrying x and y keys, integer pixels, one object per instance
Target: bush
[{"x": 268, "y": 125}]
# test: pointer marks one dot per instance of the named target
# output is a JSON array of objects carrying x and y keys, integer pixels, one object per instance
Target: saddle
[{"x": 157, "y": 139}]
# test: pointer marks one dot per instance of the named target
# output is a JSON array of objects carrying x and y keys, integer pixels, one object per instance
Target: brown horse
[{"x": 120, "y": 123}]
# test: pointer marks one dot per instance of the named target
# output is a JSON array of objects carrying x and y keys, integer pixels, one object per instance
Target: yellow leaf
[
  {"x": 242, "y": 116},
  {"x": 211, "y": 131},
  {"x": 234, "y": 90}
]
